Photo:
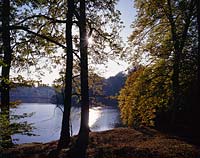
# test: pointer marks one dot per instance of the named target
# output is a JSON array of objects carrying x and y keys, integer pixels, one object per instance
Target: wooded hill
[{"x": 46, "y": 94}]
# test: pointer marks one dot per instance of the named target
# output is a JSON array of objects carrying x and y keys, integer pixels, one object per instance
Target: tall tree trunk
[
  {"x": 198, "y": 57},
  {"x": 196, "y": 101},
  {"x": 178, "y": 43},
  {"x": 83, "y": 136},
  {"x": 84, "y": 70},
  {"x": 5, "y": 99},
  {"x": 7, "y": 57},
  {"x": 175, "y": 85},
  {"x": 176, "y": 63},
  {"x": 65, "y": 130}
]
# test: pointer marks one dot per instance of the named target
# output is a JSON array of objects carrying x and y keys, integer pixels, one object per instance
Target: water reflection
[
  {"x": 47, "y": 121},
  {"x": 94, "y": 115}
]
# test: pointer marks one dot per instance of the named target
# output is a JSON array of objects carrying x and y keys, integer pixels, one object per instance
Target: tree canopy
[{"x": 165, "y": 33}]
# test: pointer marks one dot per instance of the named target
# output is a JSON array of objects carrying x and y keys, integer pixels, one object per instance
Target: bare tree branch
[
  {"x": 37, "y": 34},
  {"x": 42, "y": 16}
]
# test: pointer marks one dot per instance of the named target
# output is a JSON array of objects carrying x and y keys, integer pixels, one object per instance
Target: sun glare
[
  {"x": 90, "y": 40},
  {"x": 94, "y": 116}
]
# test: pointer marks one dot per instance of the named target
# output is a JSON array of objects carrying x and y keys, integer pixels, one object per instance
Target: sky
[{"x": 128, "y": 13}]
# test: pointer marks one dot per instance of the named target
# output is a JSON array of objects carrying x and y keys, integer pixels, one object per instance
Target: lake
[{"x": 47, "y": 120}]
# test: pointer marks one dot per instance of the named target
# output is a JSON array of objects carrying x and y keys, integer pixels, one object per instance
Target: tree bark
[
  {"x": 83, "y": 136},
  {"x": 84, "y": 70},
  {"x": 65, "y": 130},
  {"x": 195, "y": 98},
  {"x": 198, "y": 57},
  {"x": 5, "y": 99},
  {"x": 7, "y": 57},
  {"x": 176, "y": 63},
  {"x": 178, "y": 43}
]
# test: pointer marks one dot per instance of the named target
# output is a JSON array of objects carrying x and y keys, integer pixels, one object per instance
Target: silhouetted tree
[
  {"x": 83, "y": 135},
  {"x": 22, "y": 41},
  {"x": 65, "y": 130},
  {"x": 198, "y": 57},
  {"x": 94, "y": 24},
  {"x": 7, "y": 57}
]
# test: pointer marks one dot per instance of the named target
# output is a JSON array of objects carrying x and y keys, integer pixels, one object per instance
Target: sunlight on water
[
  {"x": 94, "y": 115},
  {"x": 47, "y": 120}
]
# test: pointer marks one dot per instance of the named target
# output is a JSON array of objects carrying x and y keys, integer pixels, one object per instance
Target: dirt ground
[{"x": 116, "y": 143}]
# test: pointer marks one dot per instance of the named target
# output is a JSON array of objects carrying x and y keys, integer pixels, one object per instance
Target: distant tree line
[{"x": 102, "y": 92}]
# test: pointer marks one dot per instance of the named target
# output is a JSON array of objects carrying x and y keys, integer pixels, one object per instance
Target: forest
[{"x": 150, "y": 110}]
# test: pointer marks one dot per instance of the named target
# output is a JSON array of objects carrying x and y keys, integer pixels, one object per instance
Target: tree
[
  {"x": 83, "y": 136},
  {"x": 195, "y": 95},
  {"x": 178, "y": 45},
  {"x": 25, "y": 47},
  {"x": 19, "y": 48},
  {"x": 32, "y": 36},
  {"x": 65, "y": 130},
  {"x": 94, "y": 24},
  {"x": 146, "y": 94},
  {"x": 7, "y": 55},
  {"x": 161, "y": 31},
  {"x": 198, "y": 57}
]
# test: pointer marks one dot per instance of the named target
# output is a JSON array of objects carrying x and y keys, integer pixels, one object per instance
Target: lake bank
[{"x": 117, "y": 143}]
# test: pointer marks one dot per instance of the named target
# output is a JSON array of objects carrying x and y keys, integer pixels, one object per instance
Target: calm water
[{"x": 47, "y": 121}]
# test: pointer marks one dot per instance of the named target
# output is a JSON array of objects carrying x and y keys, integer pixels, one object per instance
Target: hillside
[
  {"x": 33, "y": 94},
  {"x": 45, "y": 94},
  {"x": 112, "y": 87}
]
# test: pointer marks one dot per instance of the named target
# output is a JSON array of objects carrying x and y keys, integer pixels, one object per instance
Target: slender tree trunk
[
  {"x": 7, "y": 54},
  {"x": 84, "y": 70},
  {"x": 196, "y": 101},
  {"x": 5, "y": 99},
  {"x": 65, "y": 130},
  {"x": 198, "y": 57},
  {"x": 83, "y": 136}
]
